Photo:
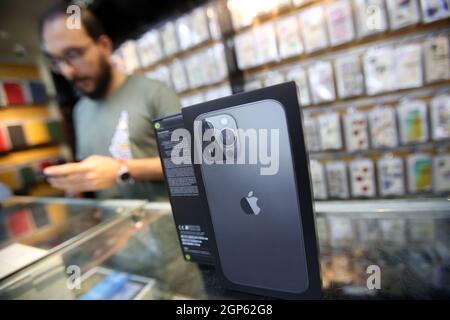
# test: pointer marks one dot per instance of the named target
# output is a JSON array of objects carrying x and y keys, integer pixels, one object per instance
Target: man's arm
[
  {"x": 145, "y": 169},
  {"x": 99, "y": 172}
]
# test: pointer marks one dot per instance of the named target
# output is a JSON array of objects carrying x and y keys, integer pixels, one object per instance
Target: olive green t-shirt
[{"x": 120, "y": 126}]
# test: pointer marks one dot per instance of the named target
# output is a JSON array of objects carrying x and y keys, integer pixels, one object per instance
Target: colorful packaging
[
  {"x": 312, "y": 134},
  {"x": 339, "y": 22},
  {"x": 330, "y": 131},
  {"x": 433, "y": 10},
  {"x": 391, "y": 181},
  {"x": 441, "y": 173},
  {"x": 379, "y": 70},
  {"x": 362, "y": 176},
  {"x": 413, "y": 121},
  {"x": 336, "y": 174},
  {"x": 288, "y": 34},
  {"x": 440, "y": 117},
  {"x": 419, "y": 173},
  {"x": 318, "y": 180},
  {"x": 383, "y": 127},
  {"x": 313, "y": 28},
  {"x": 408, "y": 62},
  {"x": 437, "y": 59},
  {"x": 321, "y": 82},
  {"x": 349, "y": 78},
  {"x": 298, "y": 75},
  {"x": 403, "y": 13},
  {"x": 370, "y": 17},
  {"x": 356, "y": 135}
]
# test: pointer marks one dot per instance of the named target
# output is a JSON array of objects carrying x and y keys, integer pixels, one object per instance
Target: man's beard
[{"x": 101, "y": 82}]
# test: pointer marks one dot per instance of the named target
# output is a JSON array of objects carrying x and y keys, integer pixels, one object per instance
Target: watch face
[{"x": 125, "y": 176}]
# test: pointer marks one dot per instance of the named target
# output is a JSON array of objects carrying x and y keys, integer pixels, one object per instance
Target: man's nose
[{"x": 67, "y": 70}]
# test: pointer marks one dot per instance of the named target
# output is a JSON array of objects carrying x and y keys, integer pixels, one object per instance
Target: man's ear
[{"x": 105, "y": 42}]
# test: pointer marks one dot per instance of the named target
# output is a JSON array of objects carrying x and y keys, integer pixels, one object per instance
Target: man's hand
[{"x": 92, "y": 174}]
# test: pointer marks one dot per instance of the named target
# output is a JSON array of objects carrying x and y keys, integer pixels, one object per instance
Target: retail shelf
[
  {"x": 357, "y": 46},
  {"x": 179, "y": 55},
  {"x": 429, "y": 145},
  {"x": 398, "y": 208}
]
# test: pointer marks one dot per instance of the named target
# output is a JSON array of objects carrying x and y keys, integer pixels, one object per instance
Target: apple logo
[{"x": 249, "y": 204}]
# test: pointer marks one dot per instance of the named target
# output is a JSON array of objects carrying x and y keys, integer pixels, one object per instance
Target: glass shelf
[
  {"x": 407, "y": 239},
  {"x": 38, "y": 227}
]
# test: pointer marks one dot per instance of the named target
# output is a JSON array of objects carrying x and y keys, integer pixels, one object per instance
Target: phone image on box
[{"x": 255, "y": 217}]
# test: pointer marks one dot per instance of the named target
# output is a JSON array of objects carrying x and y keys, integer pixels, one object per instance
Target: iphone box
[
  {"x": 251, "y": 169},
  {"x": 188, "y": 208}
]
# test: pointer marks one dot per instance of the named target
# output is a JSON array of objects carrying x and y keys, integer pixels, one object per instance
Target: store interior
[{"x": 373, "y": 85}]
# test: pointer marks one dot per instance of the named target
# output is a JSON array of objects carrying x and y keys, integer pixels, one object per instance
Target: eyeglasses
[{"x": 73, "y": 57}]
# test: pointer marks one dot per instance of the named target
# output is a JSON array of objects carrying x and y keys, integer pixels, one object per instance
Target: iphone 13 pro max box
[
  {"x": 188, "y": 207},
  {"x": 251, "y": 168}
]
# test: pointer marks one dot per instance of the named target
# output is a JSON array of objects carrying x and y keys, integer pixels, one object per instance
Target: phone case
[
  {"x": 240, "y": 16},
  {"x": 370, "y": 17},
  {"x": 169, "y": 38},
  {"x": 312, "y": 134},
  {"x": 356, "y": 135},
  {"x": 245, "y": 50},
  {"x": 391, "y": 180},
  {"x": 313, "y": 30},
  {"x": 441, "y": 173},
  {"x": 383, "y": 127},
  {"x": 336, "y": 175},
  {"x": 379, "y": 70},
  {"x": 178, "y": 76},
  {"x": 349, "y": 78},
  {"x": 408, "y": 60},
  {"x": 413, "y": 121},
  {"x": 362, "y": 178},
  {"x": 403, "y": 13},
  {"x": 266, "y": 43},
  {"x": 433, "y": 10},
  {"x": 273, "y": 77},
  {"x": 195, "y": 71},
  {"x": 440, "y": 117},
  {"x": 288, "y": 34},
  {"x": 437, "y": 59},
  {"x": 339, "y": 22},
  {"x": 419, "y": 173},
  {"x": 298, "y": 75},
  {"x": 319, "y": 182},
  {"x": 184, "y": 32},
  {"x": 330, "y": 131},
  {"x": 149, "y": 48},
  {"x": 321, "y": 82},
  {"x": 199, "y": 26}
]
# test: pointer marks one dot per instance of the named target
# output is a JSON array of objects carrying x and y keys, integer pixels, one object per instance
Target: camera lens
[
  {"x": 206, "y": 125},
  {"x": 228, "y": 137}
]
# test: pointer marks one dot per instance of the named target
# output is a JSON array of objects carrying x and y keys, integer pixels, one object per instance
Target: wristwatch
[{"x": 123, "y": 175}]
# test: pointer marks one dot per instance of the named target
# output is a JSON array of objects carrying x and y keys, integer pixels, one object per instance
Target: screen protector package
[
  {"x": 187, "y": 207},
  {"x": 251, "y": 167}
]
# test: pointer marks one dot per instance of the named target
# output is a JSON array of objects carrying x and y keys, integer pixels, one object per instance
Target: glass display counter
[
  {"x": 136, "y": 255},
  {"x": 32, "y": 228}
]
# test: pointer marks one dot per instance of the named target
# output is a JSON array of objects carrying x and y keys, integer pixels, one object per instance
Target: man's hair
[{"x": 89, "y": 21}]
